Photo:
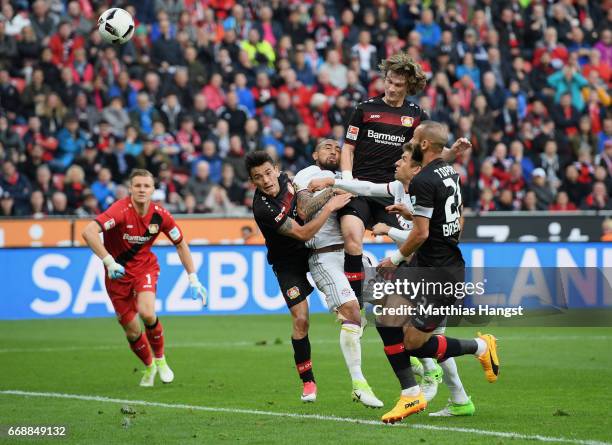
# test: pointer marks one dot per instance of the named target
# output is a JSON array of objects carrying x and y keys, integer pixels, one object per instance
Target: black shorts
[
  {"x": 371, "y": 211},
  {"x": 431, "y": 305},
  {"x": 292, "y": 280}
]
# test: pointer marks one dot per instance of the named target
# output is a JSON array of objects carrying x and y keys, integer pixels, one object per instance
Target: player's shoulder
[
  {"x": 370, "y": 101},
  {"x": 161, "y": 210},
  {"x": 121, "y": 205},
  {"x": 263, "y": 206},
  {"x": 396, "y": 188},
  {"x": 305, "y": 173},
  {"x": 414, "y": 109}
]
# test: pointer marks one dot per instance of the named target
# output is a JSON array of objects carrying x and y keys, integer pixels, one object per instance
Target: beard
[
  {"x": 328, "y": 165},
  {"x": 417, "y": 153}
]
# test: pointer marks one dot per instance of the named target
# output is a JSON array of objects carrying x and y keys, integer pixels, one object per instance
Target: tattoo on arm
[
  {"x": 285, "y": 228},
  {"x": 309, "y": 205}
]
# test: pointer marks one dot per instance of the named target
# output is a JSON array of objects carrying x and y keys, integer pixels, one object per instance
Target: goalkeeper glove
[
  {"x": 197, "y": 290},
  {"x": 114, "y": 269}
]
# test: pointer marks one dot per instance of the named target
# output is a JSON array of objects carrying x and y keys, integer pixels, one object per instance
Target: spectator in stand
[
  {"x": 104, "y": 188},
  {"x": 562, "y": 203},
  {"x": 598, "y": 199},
  {"x": 73, "y": 190},
  {"x": 71, "y": 143},
  {"x": 17, "y": 186},
  {"x": 199, "y": 186},
  {"x": 218, "y": 202},
  {"x": 530, "y": 202},
  {"x": 541, "y": 189},
  {"x": 89, "y": 208}
]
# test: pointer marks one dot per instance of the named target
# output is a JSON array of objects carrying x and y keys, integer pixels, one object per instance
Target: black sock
[
  {"x": 393, "y": 339},
  {"x": 301, "y": 355},
  {"x": 441, "y": 348},
  {"x": 353, "y": 269},
  {"x": 153, "y": 325}
]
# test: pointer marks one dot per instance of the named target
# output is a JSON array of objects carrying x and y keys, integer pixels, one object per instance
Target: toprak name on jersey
[
  {"x": 453, "y": 202},
  {"x": 384, "y": 138}
]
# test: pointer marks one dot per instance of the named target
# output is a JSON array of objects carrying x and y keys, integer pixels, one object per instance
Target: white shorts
[{"x": 327, "y": 270}]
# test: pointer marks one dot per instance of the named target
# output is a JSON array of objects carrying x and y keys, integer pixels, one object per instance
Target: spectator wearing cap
[
  {"x": 541, "y": 188},
  {"x": 17, "y": 186},
  {"x": 199, "y": 185}
]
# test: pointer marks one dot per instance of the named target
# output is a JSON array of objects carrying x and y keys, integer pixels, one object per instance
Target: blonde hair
[
  {"x": 401, "y": 63},
  {"x": 140, "y": 172},
  {"x": 74, "y": 170}
]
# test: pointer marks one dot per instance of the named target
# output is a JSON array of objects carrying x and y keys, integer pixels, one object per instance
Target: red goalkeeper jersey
[{"x": 128, "y": 237}]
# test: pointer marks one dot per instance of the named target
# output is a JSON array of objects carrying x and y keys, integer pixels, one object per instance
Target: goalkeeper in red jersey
[{"x": 130, "y": 227}]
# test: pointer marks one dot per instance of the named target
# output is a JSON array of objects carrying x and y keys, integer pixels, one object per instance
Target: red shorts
[{"x": 124, "y": 293}]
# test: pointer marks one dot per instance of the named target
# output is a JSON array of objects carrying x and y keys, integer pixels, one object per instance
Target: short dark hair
[
  {"x": 408, "y": 148},
  {"x": 255, "y": 159}
]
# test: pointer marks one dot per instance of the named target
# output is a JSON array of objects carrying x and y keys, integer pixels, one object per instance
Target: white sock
[
  {"x": 428, "y": 364},
  {"x": 453, "y": 382},
  {"x": 412, "y": 391},
  {"x": 351, "y": 349},
  {"x": 482, "y": 347}
]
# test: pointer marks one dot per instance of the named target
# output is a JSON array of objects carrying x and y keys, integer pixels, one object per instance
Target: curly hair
[{"x": 402, "y": 64}]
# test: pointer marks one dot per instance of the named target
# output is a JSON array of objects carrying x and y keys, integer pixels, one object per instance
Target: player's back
[
  {"x": 128, "y": 237},
  {"x": 436, "y": 194},
  {"x": 378, "y": 132}
]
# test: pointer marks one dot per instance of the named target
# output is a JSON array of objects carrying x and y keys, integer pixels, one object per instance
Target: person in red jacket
[{"x": 64, "y": 43}]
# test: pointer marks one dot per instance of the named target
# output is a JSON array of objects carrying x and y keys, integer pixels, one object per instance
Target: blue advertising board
[{"x": 69, "y": 282}]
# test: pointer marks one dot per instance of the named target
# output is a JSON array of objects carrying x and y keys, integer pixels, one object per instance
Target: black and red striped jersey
[
  {"x": 270, "y": 213},
  {"x": 378, "y": 131}
]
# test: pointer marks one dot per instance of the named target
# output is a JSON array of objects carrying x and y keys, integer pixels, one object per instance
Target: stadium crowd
[{"x": 203, "y": 82}]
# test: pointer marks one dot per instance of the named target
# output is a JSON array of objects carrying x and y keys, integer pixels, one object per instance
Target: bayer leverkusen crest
[
  {"x": 407, "y": 121},
  {"x": 153, "y": 228}
]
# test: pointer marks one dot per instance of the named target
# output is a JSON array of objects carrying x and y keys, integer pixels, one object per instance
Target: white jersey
[
  {"x": 400, "y": 196},
  {"x": 330, "y": 233}
]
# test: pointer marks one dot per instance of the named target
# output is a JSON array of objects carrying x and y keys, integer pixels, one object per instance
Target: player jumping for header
[{"x": 130, "y": 227}]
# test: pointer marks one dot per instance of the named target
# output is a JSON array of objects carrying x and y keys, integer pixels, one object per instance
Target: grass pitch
[{"x": 236, "y": 383}]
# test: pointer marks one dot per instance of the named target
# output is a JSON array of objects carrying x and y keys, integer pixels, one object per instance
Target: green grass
[{"x": 218, "y": 363}]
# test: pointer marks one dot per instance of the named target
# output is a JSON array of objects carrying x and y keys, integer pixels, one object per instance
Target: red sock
[
  {"x": 142, "y": 349},
  {"x": 155, "y": 334}
]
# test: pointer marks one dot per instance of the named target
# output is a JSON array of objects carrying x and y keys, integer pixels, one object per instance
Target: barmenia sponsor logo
[{"x": 383, "y": 138}]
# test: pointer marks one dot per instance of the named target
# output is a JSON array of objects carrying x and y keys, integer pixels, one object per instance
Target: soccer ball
[{"x": 116, "y": 25}]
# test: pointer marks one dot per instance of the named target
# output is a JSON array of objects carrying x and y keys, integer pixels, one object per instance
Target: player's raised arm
[
  {"x": 346, "y": 160},
  {"x": 460, "y": 145},
  {"x": 91, "y": 235},
  {"x": 292, "y": 228}
]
